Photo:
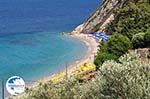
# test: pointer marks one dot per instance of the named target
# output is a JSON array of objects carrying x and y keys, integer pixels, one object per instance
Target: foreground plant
[{"x": 128, "y": 79}]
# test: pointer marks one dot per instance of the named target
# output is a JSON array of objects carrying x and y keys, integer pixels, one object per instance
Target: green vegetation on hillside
[
  {"x": 116, "y": 46},
  {"x": 128, "y": 79},
  {"x": 132, "y": 21},
  {"x": 133, "y": 18}
]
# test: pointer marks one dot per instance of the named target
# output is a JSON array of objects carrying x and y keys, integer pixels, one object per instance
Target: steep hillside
[
  {"x": 99, "y": 19},
  {"x": 130, "y": 29}
]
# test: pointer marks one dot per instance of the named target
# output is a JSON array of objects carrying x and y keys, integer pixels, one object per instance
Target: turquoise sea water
[
  {"x": 33, "y": 56},
  {"x": 31, "y": 44}
]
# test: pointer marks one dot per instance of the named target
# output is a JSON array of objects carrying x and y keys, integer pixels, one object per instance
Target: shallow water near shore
[
  {"x": 31, "y": 43},
  {"x": 33, "y": 56}
]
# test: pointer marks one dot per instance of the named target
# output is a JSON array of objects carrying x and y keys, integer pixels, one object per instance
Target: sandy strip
[{"x": 92, "y": 45}]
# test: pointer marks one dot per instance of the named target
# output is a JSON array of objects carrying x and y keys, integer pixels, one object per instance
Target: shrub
[
  {"x": 129, "y": 79},
  {"x": 138, "y": 40},
  {"x": 102, "y": 57},
  {"x": 118, "y": 44}
]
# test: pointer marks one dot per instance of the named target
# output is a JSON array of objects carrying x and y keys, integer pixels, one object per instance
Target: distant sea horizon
[{"x": 31, "y": 44}]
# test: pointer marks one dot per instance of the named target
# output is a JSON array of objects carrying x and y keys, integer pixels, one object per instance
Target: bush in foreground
[{"x": 129, "y": 79}]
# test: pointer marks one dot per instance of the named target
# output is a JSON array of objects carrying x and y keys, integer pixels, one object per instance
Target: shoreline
[
  {"x": 92, "y": 47},
  {"x": 91, "y": 44}
]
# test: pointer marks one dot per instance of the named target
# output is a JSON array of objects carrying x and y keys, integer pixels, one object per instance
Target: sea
[{"x": 31, "y": 42}]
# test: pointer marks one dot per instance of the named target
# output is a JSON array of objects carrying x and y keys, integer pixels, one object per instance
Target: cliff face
[{"x": 99, "y": 20}]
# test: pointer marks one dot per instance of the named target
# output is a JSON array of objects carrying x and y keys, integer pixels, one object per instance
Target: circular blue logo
[{"x": 15, "y": 85}]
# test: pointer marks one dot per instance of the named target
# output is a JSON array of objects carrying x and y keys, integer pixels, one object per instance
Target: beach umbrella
[{"x": 101, "y": 35}]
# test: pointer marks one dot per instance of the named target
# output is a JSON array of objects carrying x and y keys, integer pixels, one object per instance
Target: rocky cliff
[{"x": 100, "y": 19}]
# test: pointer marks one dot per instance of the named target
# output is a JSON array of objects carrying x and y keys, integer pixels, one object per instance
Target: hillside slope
[{"x": 99, "y": 19}]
